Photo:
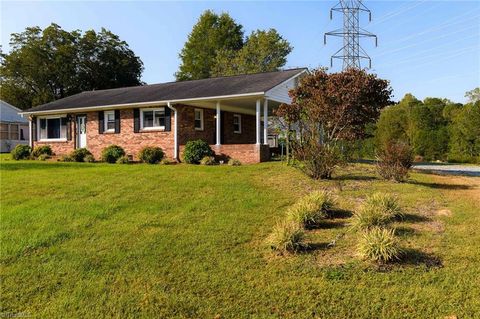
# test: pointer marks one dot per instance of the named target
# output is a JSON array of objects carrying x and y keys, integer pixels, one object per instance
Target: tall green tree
[
  {"x": 465, "y": 134},
  {"x": 49, "y": 64},
  {"x": 263, "y": 51},
  {"x": 211, "y": 34}
]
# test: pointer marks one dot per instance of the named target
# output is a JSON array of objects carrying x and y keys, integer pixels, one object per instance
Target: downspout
[{"x": 175, "y": 132}]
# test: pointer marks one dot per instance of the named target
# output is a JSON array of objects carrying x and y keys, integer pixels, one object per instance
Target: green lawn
[{"x": 85, "y": 240}]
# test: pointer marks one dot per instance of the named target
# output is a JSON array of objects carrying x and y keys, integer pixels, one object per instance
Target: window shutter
[
  {"x": 117, "y": 121},
  {"x": 100, "y": 122},
  {"x": 34, "y": 128},
  {"x": 168, "y": 119},
  {"x": 136, "y": 120},
  {"x": 68, "y": 122}
]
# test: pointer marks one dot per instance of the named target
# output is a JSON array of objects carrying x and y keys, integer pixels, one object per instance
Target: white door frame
[{"x": 81, "y": 143}]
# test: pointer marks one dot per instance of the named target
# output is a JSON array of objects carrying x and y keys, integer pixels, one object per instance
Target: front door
[{"x": 81, "y": 131}]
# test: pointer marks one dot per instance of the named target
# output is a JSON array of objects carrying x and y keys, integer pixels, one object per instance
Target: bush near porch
[{"x": 189, "y": 241}]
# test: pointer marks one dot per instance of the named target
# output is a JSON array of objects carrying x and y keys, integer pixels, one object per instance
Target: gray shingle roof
[{"x": 220, "y": 86}]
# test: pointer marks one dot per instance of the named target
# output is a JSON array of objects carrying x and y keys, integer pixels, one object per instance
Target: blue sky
[{"x": 428, "y": 48}]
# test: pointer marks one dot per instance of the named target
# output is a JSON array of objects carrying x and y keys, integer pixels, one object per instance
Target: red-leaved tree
[{"x": 329, "y": 109}]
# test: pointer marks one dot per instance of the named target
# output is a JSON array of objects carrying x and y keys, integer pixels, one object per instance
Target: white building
[{"x": 13, "y": 127}]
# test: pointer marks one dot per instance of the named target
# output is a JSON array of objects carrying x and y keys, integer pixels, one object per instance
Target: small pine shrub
[
  {"x": 79, "y": 154},
  {"x": 89, "y": 158},
  {"x": 208, "y": 160},
  {"x": 234, "y": 162},
  {"x": 287, "y": 236},
  {"x": 311, "y": 209},
  {"x": 379, "y": 245},
  {"x": 195, "y": 151},
  {"x": 123, "y": 160},
  {"x": 112, "y": 153},
  {"x": 394, "y": 161},
  {"x": 43, "y": 157},
  {"x": 21, "y": 152},
  {"x": 151, "y": 155},
  {"x": 166, "y": 161},
  {"x": 42, "y": 149},
  {"x": 66, "y": 158}
]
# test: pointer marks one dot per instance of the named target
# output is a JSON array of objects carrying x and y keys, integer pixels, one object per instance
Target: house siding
[{"x": 242, "y": 145}]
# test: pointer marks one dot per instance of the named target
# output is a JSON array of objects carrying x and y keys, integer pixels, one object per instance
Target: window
[
  {"x": 109, "y": 117},
  {"x": 237, "y": 123},
  {"x": 199, "y": 119},
  {"x": 4, "y": 131},
  {"x": 52, "y": 128},
  {"x": 152, "y": 119},
  {"x": 14, "y": 132},
  {"x": 22, "y": 134}
]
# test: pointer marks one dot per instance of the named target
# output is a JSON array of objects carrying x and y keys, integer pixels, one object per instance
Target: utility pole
[{"x": 351, "y": 53}]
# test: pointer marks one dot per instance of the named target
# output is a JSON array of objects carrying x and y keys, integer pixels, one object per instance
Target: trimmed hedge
[
  {"x": 21, "y": 152},
  {"x": 151, "y": 155},
  {"x": 112, "y": 153},
  {"x": 42, "y": 149},
  {"x": 196, "y": 150}
]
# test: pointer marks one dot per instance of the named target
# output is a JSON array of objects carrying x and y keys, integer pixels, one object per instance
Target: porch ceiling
[{"x": 239, "y": 105}]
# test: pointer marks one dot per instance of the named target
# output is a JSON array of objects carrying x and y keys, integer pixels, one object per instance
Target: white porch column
[
  {"x": 258, "y": 122},
  {"x": 30, "y": 135},
  {"x": 217, "y": 122},
  {"x": 175, "y": 130},
  {"x": 265, "y": 122}
]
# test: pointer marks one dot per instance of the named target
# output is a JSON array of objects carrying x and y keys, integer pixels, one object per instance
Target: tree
[
  {"x": 45, "y": 65},
  {"x": 264, "y": 51},
  {"x": 211, "y": 34},
  {"x": 473, "y": 95},
  {"x": 465, "y": 134},
  {"x": 333, "y": 109}
]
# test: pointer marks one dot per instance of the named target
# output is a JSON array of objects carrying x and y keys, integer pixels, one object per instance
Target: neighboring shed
[{"x": 13, "y": 127}]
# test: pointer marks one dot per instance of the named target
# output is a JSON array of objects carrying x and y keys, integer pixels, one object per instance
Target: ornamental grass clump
[
  {"x": 311, "y": 209},
  {"x": 287, "y": 237},
  {"x": 379, "y": 245},
  {"x": 378, "y": 210}
]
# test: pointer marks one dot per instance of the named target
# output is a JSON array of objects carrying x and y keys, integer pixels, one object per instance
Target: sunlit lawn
[{"x": 97, "y": 240}]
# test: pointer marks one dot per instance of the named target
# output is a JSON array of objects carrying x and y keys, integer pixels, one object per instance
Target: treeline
[{"x": 436, "y": 129}]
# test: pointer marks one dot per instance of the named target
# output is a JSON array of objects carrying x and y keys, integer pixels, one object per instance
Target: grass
[{"x": 133, "y": 241}]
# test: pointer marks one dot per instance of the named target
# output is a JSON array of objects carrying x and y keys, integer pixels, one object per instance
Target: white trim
[
  {"x": 217, "y": 125},
  {"x": 60, "y": 139},
  {"x": 239, "y": 123},
  {"x": 145, "y": 104},
  {"x": 257, "y": 122},
  {"x": 265, "y": 122},
  {"x": 175, "y": 132},
  {"x": 201, "y": 128},
  {"x": 151, "y": 128},
  {"x": 105, "y": 121}
]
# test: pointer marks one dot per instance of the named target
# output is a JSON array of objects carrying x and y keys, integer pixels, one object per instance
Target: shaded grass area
[{"x": 96, "y": 240}]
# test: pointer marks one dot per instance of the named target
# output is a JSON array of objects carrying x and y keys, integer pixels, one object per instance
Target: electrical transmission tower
[{"x": 351, "y": 53}]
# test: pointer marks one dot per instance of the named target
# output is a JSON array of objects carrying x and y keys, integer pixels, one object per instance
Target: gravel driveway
[{"x": 449, "y": 169}]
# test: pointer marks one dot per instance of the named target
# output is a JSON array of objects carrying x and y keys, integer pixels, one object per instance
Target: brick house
[{"x": 230, "y": 113}]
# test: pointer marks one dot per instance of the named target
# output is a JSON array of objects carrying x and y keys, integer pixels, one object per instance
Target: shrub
[
  {"x": 234, "y": 162},
  {"x": 21, "y": 152},
  {"x": 208, "y": 160},
  {"x": 79, "y": 154},
  {"x": 287, "y": 236},
  {"x": 378, "y": 210},
  {"x": 43, "y": 157},
  {"x": 42, "y": 149},
  {"x": 394, "y": 161},
  {"x": 112, "y": 153},
  {"x": 319, "y": 161},
  {"x": 195, "y": 151},
  {"x": 89, "y": 158},
  {"x": 123, "y": 160},
  {"x": 311, "y": 209},
  {"x": 379, "y": 245},
  {"x": 151, "y": 155},
  {"x": 66, "y": 158},
  {"x": 166, "y": 161}
]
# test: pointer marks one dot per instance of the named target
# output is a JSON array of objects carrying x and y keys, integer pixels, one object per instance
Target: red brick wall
[{"x": 244, "y": 149}]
